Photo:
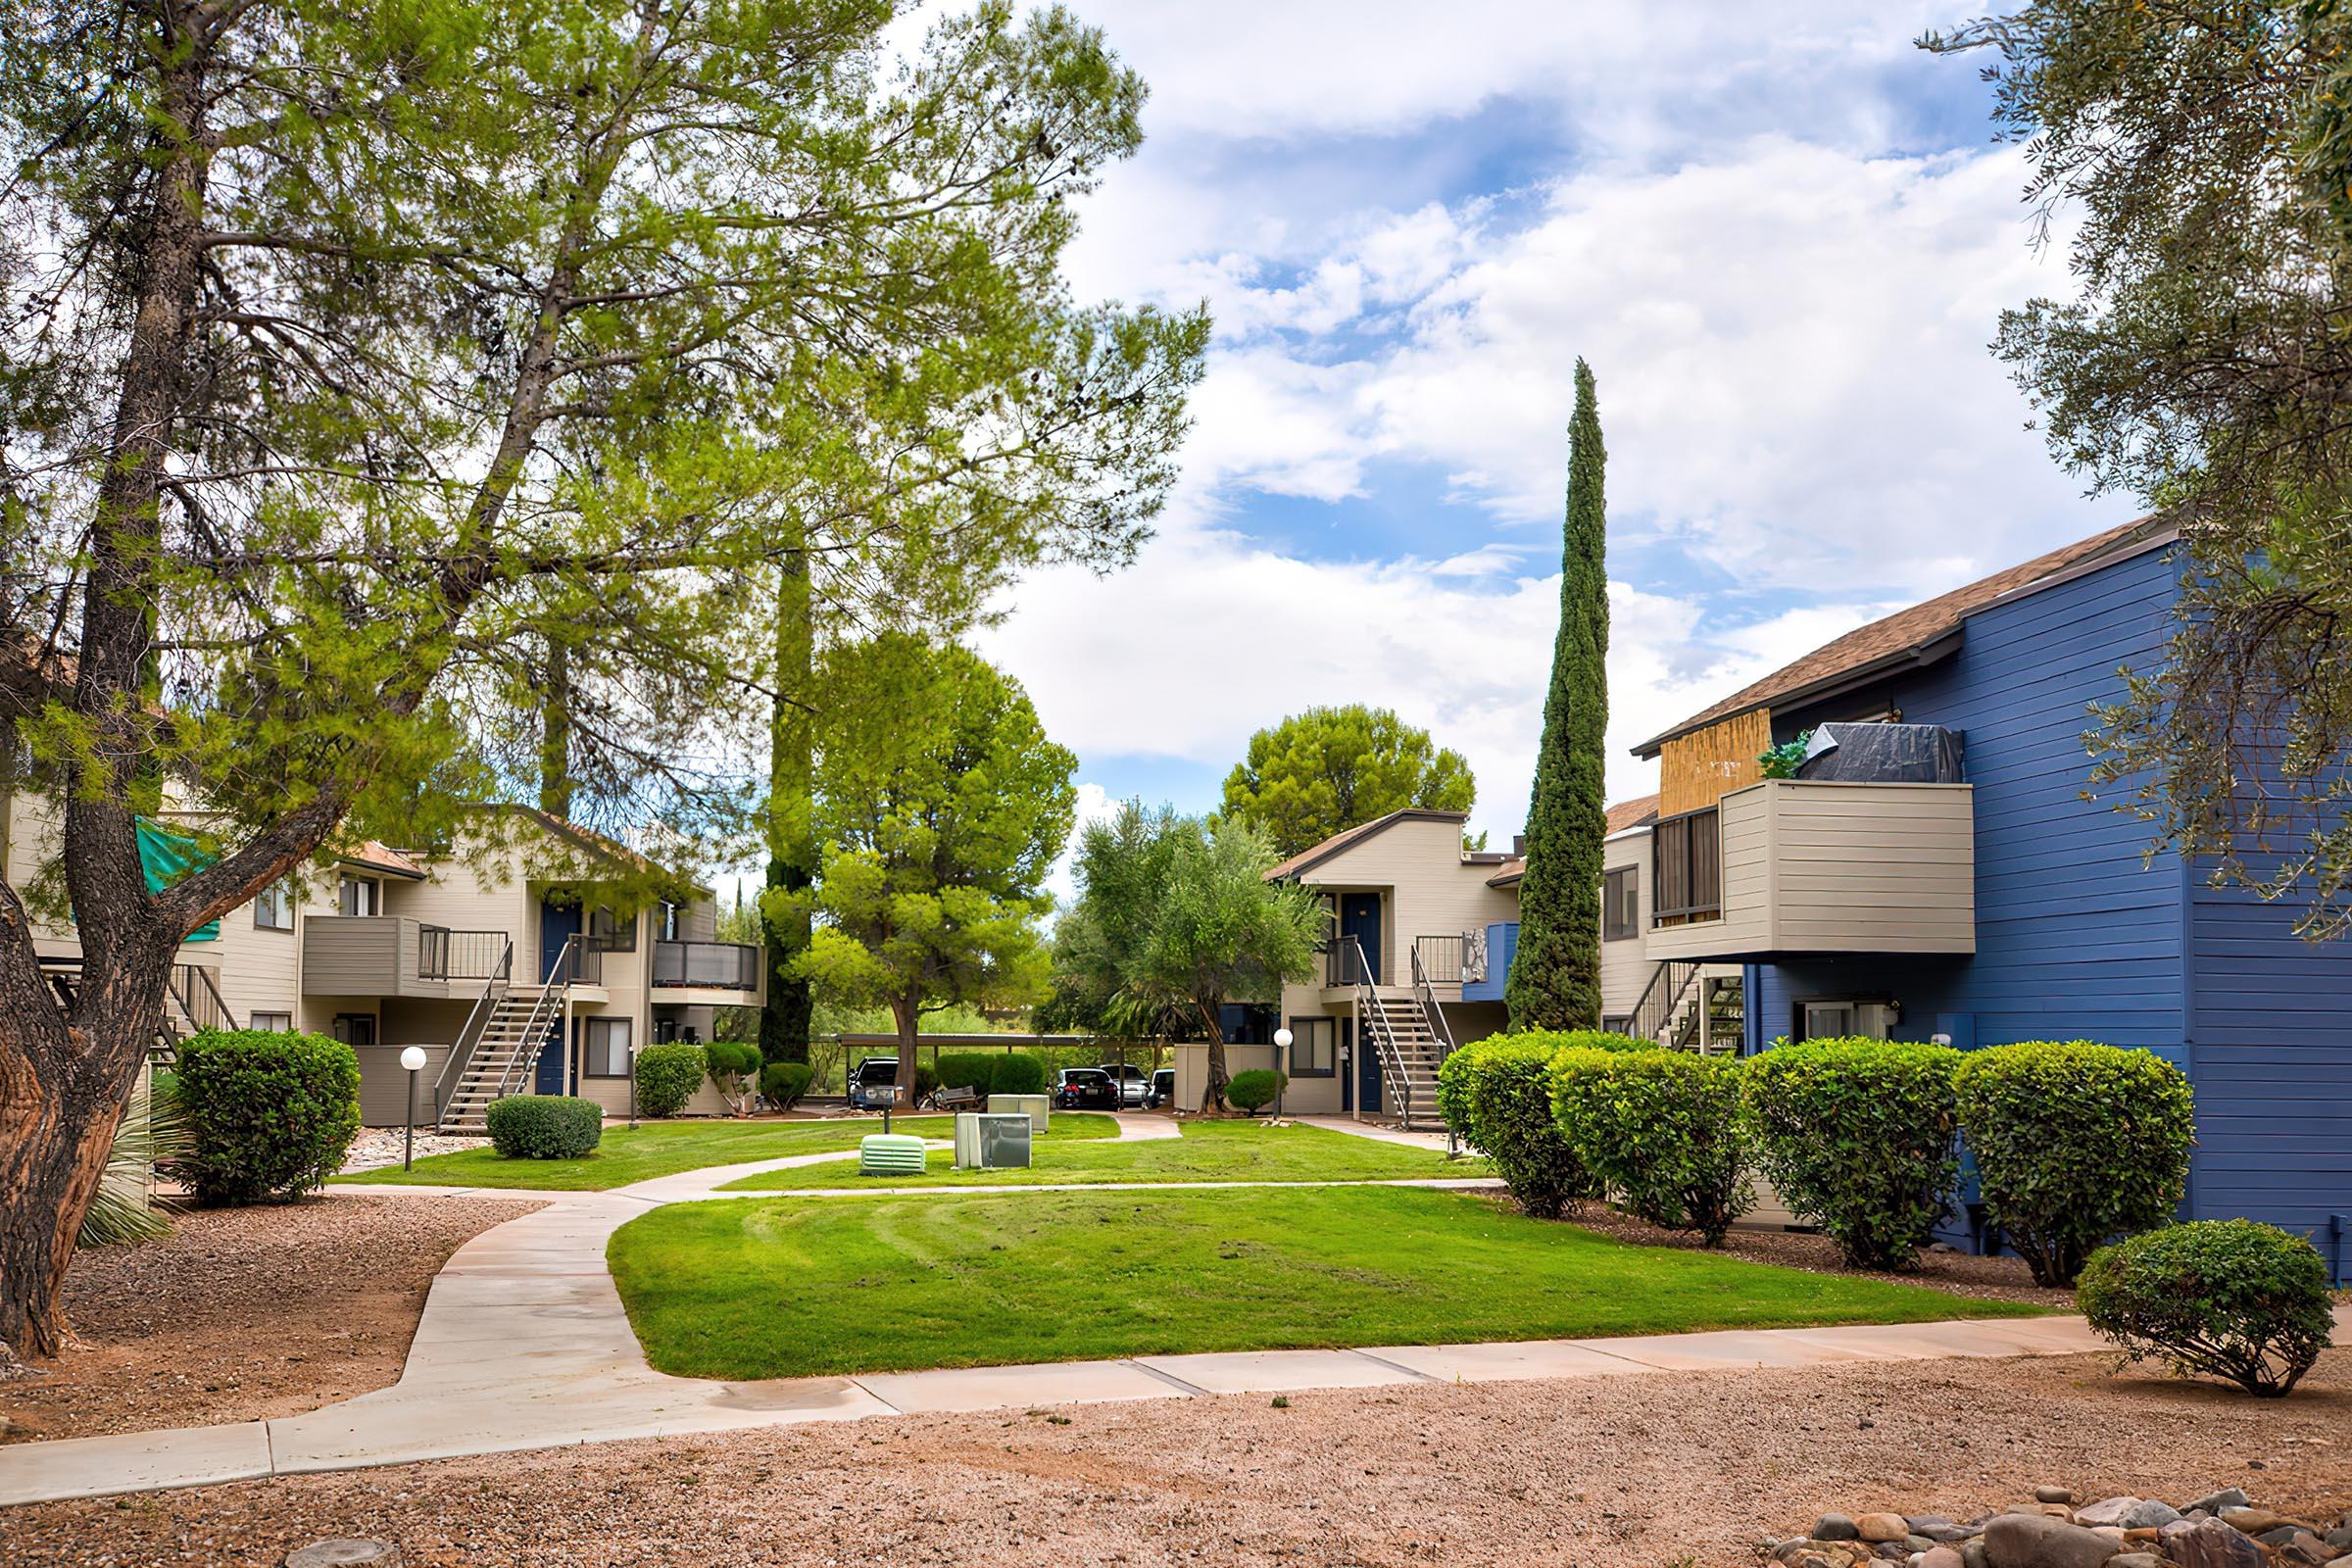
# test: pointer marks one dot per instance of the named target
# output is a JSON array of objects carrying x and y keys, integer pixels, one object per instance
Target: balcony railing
[
  {"x": 446, "y": 955},
  {"x": 1443, "y": 961},
  {"x": 1345, "y": 965},
  {"x": 721, "y": 966}
]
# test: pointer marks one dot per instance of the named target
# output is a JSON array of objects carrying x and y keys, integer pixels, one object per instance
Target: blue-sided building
[{"x": 1937, "y": 868}]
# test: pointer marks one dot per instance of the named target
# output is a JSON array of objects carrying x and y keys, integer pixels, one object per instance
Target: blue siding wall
[
  {"x": 1502, "y": 945},
  {"x": 2077, "y": 938}
]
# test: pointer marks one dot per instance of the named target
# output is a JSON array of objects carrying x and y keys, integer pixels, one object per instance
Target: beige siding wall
[
  {"x": 1430, "y": 890},
  {"x": 1825, "y": 867},
  {"x": 1626, "y": 964}
]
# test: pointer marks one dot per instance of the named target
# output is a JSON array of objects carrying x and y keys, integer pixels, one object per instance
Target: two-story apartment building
[
  {"x": 516, "y": 969},
  {"x": 1936, "y": 871}
]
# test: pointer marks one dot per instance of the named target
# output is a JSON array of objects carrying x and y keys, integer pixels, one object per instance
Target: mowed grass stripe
[
  {"x": 1205, "y": 1151},
  {"x": 785, "y": 1288}
]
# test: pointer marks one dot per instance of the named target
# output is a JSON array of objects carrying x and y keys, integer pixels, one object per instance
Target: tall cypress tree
[{"x": 1555, "y": 977}]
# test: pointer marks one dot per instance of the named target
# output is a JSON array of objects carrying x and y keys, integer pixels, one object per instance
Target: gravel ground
[
  {"x": 379, "y": 1146},
  {"x": 1605, "y": 1473},
  {"x": 1960, "y": 1273},
  {"x": 242, "y": 1314}
]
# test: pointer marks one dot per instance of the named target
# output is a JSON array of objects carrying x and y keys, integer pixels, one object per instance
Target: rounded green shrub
[
  {"x": 968, "y": 1069},
  {"x": 1860, "y": 1137},
  {"x": 1662, "y": 1129},
  {"x": 2231, "y": 1298},
  {"x": 545, "y": 1126},
  {"x": 1017, "y": 1075},
  {"x": 668, "y": 1075},
  {"x": 269, "y": 1115},
  {"x": 731, "y": 1058},
  {"x": 1252, "y": 1090},
  {"x": 783, "y": 1083},
  {"x": 2075, "y": 1143},
  {"x": 1495, "y": 1094}
]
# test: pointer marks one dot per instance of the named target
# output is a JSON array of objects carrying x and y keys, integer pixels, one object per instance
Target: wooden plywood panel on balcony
[{"x": 1697, "y": 769}]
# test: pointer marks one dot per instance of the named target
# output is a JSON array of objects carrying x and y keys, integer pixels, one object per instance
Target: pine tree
[{"x": 1555, "y": 977}]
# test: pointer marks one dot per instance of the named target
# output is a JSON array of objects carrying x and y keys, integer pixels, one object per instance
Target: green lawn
[
  {"x": 1207, "y": 1151},
  {"x": 786, "y": 1286},
  {"x": 662, "y": 1149}
]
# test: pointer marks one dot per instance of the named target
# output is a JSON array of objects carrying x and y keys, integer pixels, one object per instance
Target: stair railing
[
  {"x": 470, "y": 1034},
  {"x": 1661, "y": 998},
  {"x": 1439, "y": 1028},
  {"x": 192, "y": 987},
  {"x": 544, "y": 1011},
  {"x": 1389, "y": 1055}
]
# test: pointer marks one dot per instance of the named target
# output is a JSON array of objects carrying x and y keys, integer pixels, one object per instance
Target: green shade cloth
[{"x": 167, "y": 855}]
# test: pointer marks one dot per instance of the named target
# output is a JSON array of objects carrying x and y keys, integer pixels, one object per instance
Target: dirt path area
[
  {"x": 244, "y": 1314},
  {"x": 1624, "y": 1471}
]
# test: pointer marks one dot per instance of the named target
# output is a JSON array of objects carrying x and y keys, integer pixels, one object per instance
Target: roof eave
[{"x": 1918, "y": 655}]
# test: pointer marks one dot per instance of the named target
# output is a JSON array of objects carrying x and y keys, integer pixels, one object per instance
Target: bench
[{"x": 961, "y": 1097}]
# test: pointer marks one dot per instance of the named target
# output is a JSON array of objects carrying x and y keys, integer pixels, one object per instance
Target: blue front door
[
  {"x": 558, "y": 924},
  {"x": 1359, "y": 917},
  {"x": 1367, "y": 1076}
]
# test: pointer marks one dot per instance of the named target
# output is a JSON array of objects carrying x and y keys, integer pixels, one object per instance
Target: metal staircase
[
  {"x": 1691, "y": 1007},
  {"x": 1408, "y": 1035},
  {"x": 192, "y": 1002},
  {"x": 497, "y": 1051}
]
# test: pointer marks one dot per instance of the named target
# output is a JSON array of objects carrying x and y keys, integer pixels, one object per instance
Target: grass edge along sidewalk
[{"x": 768, "y": 1287}]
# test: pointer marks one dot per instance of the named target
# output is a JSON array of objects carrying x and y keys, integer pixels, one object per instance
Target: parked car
[
  {"x": 1134, "y": 1083},
  {"x": 1084, "y": 1089},
  {"x": 1163, "y": 1091},
  {"x": 870, "y": 1081}
]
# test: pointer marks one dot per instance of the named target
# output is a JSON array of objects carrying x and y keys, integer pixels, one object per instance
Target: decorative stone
[
  {"x": 1942, "y": 1557},
  {"x": 2136, "y": 1559},
  {"x": 2215, "y": 1503},
  {"x": 2215, "y": 1544},
  {"x": 2053, "y": 1495},
  {"x": 2341, "y": 1537},
  {"x": 2106, "y": 1511},
  {"x": 1881, "y": 1527},
  {"x": 2028, "y": 1541},
  {"x": 345, "y": 1553},
  {"x": 2150, "y": 1514},
  {"x": 1834, "y": 1527},
  {"x": 2346, "y": 1561},
  {"x": 1972, "y": 1554},
  {"x": 2301, "y": 1547},
  {"x": 2253, "y": 1521}
]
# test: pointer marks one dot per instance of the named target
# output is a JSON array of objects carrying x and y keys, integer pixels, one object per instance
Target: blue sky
[{"x": 1781, "y": 234}]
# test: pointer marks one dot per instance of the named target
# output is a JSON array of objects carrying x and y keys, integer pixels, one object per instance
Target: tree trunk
[
  {"x": 904, "y": 1011},
  {"x": 62, "y": 1087},
  {"x": 792, "y": 858},
  {"x": 555, "y": 734},
  {"x": 1213, "y": 1093}
]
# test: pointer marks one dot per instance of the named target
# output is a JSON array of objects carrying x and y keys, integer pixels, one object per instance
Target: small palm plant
[{"x": 151, "y": 1130}]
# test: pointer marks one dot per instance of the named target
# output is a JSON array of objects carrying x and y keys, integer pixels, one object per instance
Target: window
[
  {"x": 1315, "y": 1046},
  {"x": 1619, "y": 905},
  {"x": 1686, "y": 868},
  {"x": 279, "y": 1021},
  {"x": 605, "y": 1046},
  {"x": 615, "y": 933},
  {"x": 355, "y": 1028},
  {"x": 273, "y": 909},
  {"x": 1826, "y": 1020},
  {"x": 360, "y": 895}
]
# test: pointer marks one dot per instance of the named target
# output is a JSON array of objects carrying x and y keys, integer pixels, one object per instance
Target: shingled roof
[
  {"x": 1639, "y": 812},
  {"x": 1919, "y": 635}
]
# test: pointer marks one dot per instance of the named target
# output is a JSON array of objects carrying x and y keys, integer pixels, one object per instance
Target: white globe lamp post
[
  {"x": 412, "y": 1058},
  {"x": 1282, "y": 1054}
]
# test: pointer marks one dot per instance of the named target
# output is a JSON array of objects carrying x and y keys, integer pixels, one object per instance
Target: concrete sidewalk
[{"x": 523, "y": 1344}]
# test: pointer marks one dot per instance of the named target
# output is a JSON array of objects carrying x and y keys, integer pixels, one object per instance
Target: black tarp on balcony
[{"x": 1885, "y": 753}]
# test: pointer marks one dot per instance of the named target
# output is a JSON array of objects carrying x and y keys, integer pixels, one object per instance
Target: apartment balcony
[
  {"x": 1804, "y": 866},
  {"x": 721, "y": 973},
  {"x": 392, "y": 956}
]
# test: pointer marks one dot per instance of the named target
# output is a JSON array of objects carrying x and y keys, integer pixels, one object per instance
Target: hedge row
[
  {"x": 993, "y": 1073},
  {"x": 2074, "y": 1143}
]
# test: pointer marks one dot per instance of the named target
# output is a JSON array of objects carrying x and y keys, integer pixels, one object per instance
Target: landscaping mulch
[
  {"x": 245, "y": 1314},
  {"x": 1627, "y": 1472},
  {"x": 1960, "y": 1273}
]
